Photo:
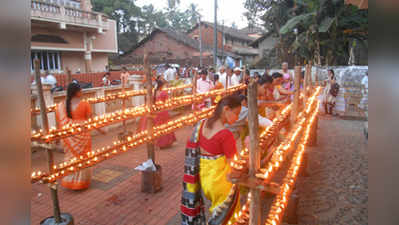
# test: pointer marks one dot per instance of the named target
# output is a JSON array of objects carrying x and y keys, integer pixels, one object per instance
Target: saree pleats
[
  {"x": 75, "y": 146},
  {"x": 208, "y": 175}
]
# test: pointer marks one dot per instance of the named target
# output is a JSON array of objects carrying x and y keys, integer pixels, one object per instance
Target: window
[{"x": 49, "y": 60}]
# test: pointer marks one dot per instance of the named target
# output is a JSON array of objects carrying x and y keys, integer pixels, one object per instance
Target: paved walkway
[
  {"x": 336, "y": 192},
  {"x": 115, "y": 196}
]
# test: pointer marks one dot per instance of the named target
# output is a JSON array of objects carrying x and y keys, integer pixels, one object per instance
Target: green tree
[
  {"x": 325, "y": 28},
  {"x": 121, "y": 11}
]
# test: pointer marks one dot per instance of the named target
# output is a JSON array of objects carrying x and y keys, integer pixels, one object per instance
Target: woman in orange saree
[
  {"x": 74, "y": 110},
  {"x": 208, "y": 154},
  {"x": 162, "y": 117}
]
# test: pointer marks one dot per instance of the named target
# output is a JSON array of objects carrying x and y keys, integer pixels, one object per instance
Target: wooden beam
[
  {"x": 295, "y": 106},
  {"x": 254, "y": 153},
  {"x": 257, "y": 183},
  {"x": 50, "y": 157},
  {"x": 69, "y": 76},
  {"x": 306, "y": 84}
]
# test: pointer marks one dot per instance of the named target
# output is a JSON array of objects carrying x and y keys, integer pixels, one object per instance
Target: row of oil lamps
[
  {"x": 96, "y": 156},
  {"x": 242, "y": 217},
  {"x": 129, "y": 113},
  {"x": 114, "y": 96},
  {"x": 280, "y": 203}
]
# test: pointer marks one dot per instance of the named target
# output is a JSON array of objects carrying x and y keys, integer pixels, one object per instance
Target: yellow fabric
[
  {"x": 192, "y": 187},
  {"x": 214, "y": 182}
]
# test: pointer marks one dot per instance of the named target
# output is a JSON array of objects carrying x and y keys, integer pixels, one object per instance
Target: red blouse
[{"x": 222, "y": 142}]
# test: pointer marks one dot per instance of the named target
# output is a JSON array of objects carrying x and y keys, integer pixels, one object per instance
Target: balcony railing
[{"x": 68, "y": 15}]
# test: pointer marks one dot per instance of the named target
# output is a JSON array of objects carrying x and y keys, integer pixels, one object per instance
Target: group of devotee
[{"x": 214, "y": 141}]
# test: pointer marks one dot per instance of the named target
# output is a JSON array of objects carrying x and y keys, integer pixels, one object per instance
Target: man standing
[
  {"x": 236, "y": 77},
  {"x": 50, "y": 79},
  {"x": 204, "y": 85},
  {"x": 169, "y": 74},
  {"x": 229, "y": 76},
  {"x": 222, "y": 76},
  {"x": 124, "y": 77}
]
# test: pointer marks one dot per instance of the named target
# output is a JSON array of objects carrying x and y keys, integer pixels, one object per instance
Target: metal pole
[
  {"x": 223, "y": 42},
  {"x": 215, "y": 37},
  {"x": 254, "y": 154},
  {"x": 150, "y": 101},
  {"x": 43, "y": 113},
  {"x": 200, "y": 40}
]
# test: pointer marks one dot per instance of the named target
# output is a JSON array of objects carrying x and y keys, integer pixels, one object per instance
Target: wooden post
[
  {"x": 295, "y": 109},
  {"x": 243, "y": 74},
  {"x": 150, "y": 102},
  {"x": 194, "y": 88},
  {"x": 306, "y": 84},
  {"x": 43, "y": 113},
  {"x": 227, "y": 80},
  {"x": 313, "y": 132},
  {"x": 254, "y": 154},
  {"x": 69, "y": 76}
]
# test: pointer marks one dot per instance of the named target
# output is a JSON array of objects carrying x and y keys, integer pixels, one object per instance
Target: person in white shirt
[
  {"x": 236, "y": 77},
  {"x": 169, "y": 74},
  {"x": 106, "y": 81},
  {"x": 222, "y": 76},
  {"x": 204, "y": 85},
  {"x": 229, "y": 76},
  {"x": 50, "y": 79}
]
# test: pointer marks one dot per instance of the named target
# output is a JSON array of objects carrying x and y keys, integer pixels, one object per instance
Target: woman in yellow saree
[{"x": 207, "y": 163}]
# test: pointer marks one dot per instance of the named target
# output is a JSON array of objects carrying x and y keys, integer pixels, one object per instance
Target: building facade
[
  {"x": 229, "y": 39},
  {"x": 68, "y": 34},
  {"x": 166, "y": 45}
]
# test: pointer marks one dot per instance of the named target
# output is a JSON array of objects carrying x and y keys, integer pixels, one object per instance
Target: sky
[{"x": 228, "y": 10}]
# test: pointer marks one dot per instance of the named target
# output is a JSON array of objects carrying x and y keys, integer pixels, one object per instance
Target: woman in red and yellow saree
[
  {"x": 73, "y": 110},
  {"x": 207, "y": 163},
  {"x": 162, "y": 117}
]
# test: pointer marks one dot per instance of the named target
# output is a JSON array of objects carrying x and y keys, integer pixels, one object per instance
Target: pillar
[{"x": 88, "y": 46}]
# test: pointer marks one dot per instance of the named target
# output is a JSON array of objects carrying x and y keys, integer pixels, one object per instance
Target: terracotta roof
[
  {"x": 180, "y": 37},
  {"x": 235, "y": 33}
]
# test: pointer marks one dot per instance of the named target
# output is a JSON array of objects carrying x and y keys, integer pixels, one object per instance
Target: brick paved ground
[
  {"x": 334, "y": 193},
  {"x": 117, "y": 199}
]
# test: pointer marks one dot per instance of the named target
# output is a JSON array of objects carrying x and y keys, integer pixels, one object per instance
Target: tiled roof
[
  {"x": 228, "y": 31},
  {"x": 183, "y": 38}
]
